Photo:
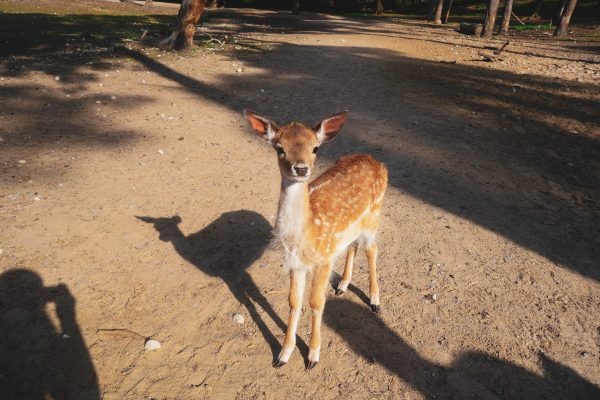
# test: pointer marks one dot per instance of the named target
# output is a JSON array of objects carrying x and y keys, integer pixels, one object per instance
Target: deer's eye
[
  {"x": 315, "y": 150},
  {"x": 280, "y": 151}
]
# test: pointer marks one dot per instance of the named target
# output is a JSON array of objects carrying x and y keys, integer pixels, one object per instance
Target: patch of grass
[
  {"x": 531, "y": 27},
  {"x": 34, "y": 33}
]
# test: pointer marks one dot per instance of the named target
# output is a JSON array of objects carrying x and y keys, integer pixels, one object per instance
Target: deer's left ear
[
  {"x": 264, "y": 127},
  {"x": 329, "y": 128}
]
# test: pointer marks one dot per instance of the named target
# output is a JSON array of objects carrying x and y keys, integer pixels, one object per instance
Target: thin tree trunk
[
  {"x": 506, "y": 17},
  {"x": 538, "y": 9},
  {"x": 295, "y": 6},
  {"x": 559, "y": 12},
  {"x": 446, "y": 12},
  {"x": 188, "y": 16},
  {"x": 565, "y": 18},
  {"x": 438, "y": 11},
  {"x": 490, "y": 18},
  {"x": 379, "y": 8},
  {"x": 431, "y": 9}
]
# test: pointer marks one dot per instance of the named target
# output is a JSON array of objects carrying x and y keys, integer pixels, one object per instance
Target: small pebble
[
  {"x": 238, "y": 318},
  {"x": 434, "y": 297},
  {"x": 238, "y": 70},
  {"x": 161, "y": 152},
  {"x": 57, "y": 78},
  {"x": 22, "y": 161},
  {"x": 152, "y": 344},
  {"x": 113, "y": 97},
  {"x": 36, "y": 198},
  {"x": 65, "y": 336}
]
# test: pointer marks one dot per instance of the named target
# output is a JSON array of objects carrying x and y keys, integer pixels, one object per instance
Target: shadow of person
[
  {"x": 472, "y": 376},
  {"x": 225, "y": 249},
  {"x": 37, "y": 359}
]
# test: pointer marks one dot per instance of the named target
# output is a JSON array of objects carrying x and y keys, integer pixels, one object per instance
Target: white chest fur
[{"x": 291, "y": 222}]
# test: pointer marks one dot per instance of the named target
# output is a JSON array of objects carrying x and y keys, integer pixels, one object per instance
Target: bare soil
[{"x": 135, "y": 203}]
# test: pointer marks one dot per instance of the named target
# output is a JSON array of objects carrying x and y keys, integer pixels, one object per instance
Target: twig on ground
[{"x": 121, "y": 331}]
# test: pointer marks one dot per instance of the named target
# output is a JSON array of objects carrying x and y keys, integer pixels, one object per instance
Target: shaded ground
[{"x": 493, "y": 204}]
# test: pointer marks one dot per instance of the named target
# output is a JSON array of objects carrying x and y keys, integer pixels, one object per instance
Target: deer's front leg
[
  {"x": 317, "y": 305},
  {"x": 297, "y": 283}
]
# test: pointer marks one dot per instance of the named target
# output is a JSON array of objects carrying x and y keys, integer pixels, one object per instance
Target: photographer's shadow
[
  {"x": 39, "y": 360},
  {"x": 225, "y": 249}
]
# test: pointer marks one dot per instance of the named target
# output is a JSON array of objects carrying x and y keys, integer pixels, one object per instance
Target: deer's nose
[{"x": 301, "y": 169}]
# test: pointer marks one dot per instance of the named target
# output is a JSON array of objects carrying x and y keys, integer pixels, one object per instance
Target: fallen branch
[
  {"x": 121, "y": 332},
  {"x": 514, "y": 15},
  {"x": 494, "y": 57},
  {"x": 502, "y": 48}
]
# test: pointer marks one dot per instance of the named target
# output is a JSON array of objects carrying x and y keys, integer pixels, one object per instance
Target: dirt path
[{"x": 132, "y": 188}]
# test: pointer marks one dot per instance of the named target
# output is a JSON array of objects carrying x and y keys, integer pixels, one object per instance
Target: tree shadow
[
  {"x": 37, "y": 359},
  {"x": 473, "y": 375},
  {"x": 527, "y": 179},
  {"x": 225, "y": 249}
]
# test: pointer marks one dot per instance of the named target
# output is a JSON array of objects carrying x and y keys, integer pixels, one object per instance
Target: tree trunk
[
  {"x": 565, "y": 18},
  {"x": 438, "y": 11},
  {"x": 446, "y": 12},
  {"x": 506, "y": 17},
  {"x": 490, "y": 18},
  {"x": 559, "y": 12},
  {"x": 431, "y": 9},
  {"x": 538, "y": 9},
  {"x": 379, "y": 8},
  {"x": 295, "y": 6},
  {"x": 188, "y": 16}
]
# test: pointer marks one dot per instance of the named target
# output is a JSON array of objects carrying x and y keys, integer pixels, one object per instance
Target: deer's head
[{"x": 296, "y": 144}]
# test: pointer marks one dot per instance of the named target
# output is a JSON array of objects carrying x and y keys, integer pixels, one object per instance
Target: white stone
[
  {"x": 238, "y": 318},
  {"x": 161, "y": 152},
  {"x": 22, "y": 161},
  {"x": 152, "y": 344}
]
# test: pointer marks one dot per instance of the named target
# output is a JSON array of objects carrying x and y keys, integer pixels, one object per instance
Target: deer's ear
[
  {"x": 264, "y": 127},
  {"x": 329, "y": 128}
]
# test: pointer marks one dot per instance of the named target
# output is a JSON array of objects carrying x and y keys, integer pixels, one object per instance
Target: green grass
[{"x": 531, "y": 27}]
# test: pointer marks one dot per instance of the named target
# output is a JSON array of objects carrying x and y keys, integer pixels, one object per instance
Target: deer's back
[{"x": 346, "y": 199}]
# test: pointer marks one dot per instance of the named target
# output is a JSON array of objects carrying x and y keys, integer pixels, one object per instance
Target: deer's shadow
[{"x": 225, "y": 249}]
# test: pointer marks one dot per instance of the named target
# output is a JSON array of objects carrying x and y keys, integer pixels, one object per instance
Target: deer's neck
[{"x": 292, "y": 213}]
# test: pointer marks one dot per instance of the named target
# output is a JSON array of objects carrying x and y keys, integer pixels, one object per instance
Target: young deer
[{"x": 317, "y": 221}]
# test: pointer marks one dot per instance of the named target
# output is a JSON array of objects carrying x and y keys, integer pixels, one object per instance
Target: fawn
[{"x": 317, "y": 221}]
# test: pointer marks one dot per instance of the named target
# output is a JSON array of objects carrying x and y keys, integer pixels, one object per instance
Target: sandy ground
[{"x": 135, "y": 203}]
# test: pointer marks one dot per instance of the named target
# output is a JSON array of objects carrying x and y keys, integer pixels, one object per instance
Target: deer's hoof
[
  {"x": 279, "y": 364},
  {"x": 375, "y": 308},
  {"x": 339, "y": 292},
  {"x": 311, "y": 365}
]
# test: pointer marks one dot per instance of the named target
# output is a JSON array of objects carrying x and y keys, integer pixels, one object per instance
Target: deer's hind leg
[
  {"x": 371, "y": 247},
  {"x": 348, "y": 267}
]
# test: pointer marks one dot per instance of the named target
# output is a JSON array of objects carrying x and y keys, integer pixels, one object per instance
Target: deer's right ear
[{"x": 264, "y": 127}]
